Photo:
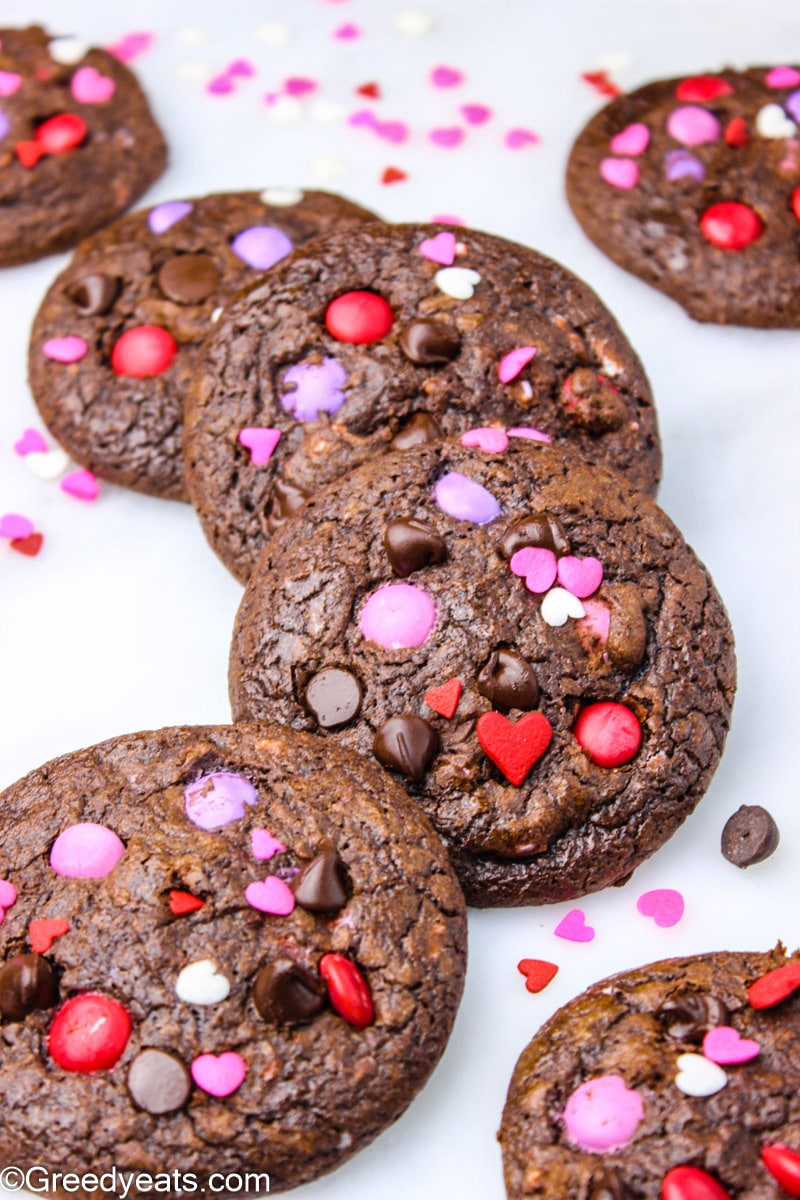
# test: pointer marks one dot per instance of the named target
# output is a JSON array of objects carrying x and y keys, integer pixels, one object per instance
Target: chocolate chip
[
  {"x": 287, "y": 994},
  {"x": 627, "y": 629},
  {"x": 508, "y": 681},
  {"x": 749, "y": 836},
  {"x": 321, "y": 886},
  {"x": 592, "y": 402},
  {"x": 286, "y": 500},
  {"x": 611, "y": 1186},
  {"x": 158, "y": 1082},
  {"x": 420, "y": 429},
  {"x": 94, "y": 294},
  {"x": 408, "y": 744},
  {"x": 27, "y": 982},
  {"x": 429, "y": 342},
  {"x": 535, "y": 529},
  {"x": 688, "y": 1017},
  {"x": 333, "y": 697},
  {"x": 188, "y": 278},
  {"x": 412, "y": 544}
]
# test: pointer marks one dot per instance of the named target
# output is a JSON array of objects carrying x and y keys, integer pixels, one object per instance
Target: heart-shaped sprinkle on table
[
  {"x": 201, "y": 983},
  {"x": 31, "y": 442},
  {"x": 664, "y": 905},
  {"x": 44, "y": 931},
  {"x": 47, "y": 464},
  {"x": 219, "y": 1074},
  {"x": 29, "y": 546},
  {"x": 444, "y": 700},
  {"x": 89, "y": 86},
  {"x": 261, "y": 443},
  {"x": 537, "y": 565},
  {"x": 573, "y": 927},
  {"x": 514, "y": 748},
  {"x": 698, "y": 1076},
  {"x": 272, "y": 896},
  {"x": 447, "y": 137},
  {"x": 538, "y": 973},
  {"x": 15, "y": 525},
  {"x": 725, "y": 1045},
  {"x": 81, "y": 484},
  {"x": 446, "y": 77},
  {"x": 440, "y": 249}
]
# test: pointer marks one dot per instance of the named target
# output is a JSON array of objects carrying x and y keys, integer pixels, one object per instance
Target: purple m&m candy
[
  {"x": 261, "y": 246},
  {"x": 163, "y": 216},
  {"x": 461, "y": 497},
  {"x": 316, "y": 388},
  {"x": 217, "y": 799}
]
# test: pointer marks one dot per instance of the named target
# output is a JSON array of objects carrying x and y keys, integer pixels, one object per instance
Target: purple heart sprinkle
[{"x": 261, "y": 246}]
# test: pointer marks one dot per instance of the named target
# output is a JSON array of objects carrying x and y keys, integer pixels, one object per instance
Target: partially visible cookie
[
  {"x": 78, "y": 143},
  {"x": 116, "y": 340},
  {"x": 524, "y": 639},
  {"x": 693, "y": 184},
  {"x": 675, "y": 1081},
  {"x": 224, "y": 949},
  {"x": 391, "y": 335}
]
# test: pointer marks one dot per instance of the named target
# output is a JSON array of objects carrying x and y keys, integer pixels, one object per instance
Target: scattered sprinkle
[
  {"x": 446, "y": 77},
  {"x": 515, "y": 139},
  {"x": 573, "y": 927},
  {"x": 538, "y": 973},
  {"x": 447, "y": 138},
  {"x": 80, "y": 484},
  {"x": 131, "y": 46},
  {"x": 393, "y": 175},
  {"x": 347, "y": 33},
  {"x": 664, "y": 905}
]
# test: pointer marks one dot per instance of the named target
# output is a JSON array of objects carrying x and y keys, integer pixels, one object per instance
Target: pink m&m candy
[
  {"x": 609, "y": 733},
  {"x": 692, "y": 125},
  {"x": 398, "y": 616},
  {"x": 86, "y": 851},
  {"x": 603, "y": 1114}
]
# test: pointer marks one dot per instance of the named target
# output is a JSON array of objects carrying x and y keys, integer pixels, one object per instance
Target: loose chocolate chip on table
[{"x": 749, "y": 836}]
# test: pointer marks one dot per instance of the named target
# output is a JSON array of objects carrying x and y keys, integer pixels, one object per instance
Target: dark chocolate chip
[
  {"x": 27, "y": 982},
  {"x": 592, "y": 402},
  {"x": 286, "y": 500},
  {"x": 287, "y": 994},
  {"x": 158, "y": 1082},
  {"x": 535, "y": 529},
  {"x": 429, "y": 342},
  {"x": 333, "y": 697},
  {"x": 420, "y": 429},
  {"x": 93, "y": 295},
  {"x": 508, "y": 681},
  {"x": 611, "y": 1186},
  {"x": 321, "y": 886},
  {"x": 749, "y": 836},
  {"x": 627, "y": 629},
  {"x": 408, "y": 744},
  {"x": 188, "y": 278},
  {"x": 412, "y": 544},
  {"x": 688, "y": 1017}
]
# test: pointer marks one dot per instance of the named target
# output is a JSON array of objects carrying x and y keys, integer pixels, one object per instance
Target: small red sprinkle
[
  {"x": 736, "y": 134},
  {"x": 89, "y": 1033},
  {"x": 28, "y": 153},
  {"x": 731, "y": 226},
  {"x": 143, "y": 351},
  {"x": 702, "y": 87},
  {"x": 783, "y": 1165},
  {"x": 62, "y": 133},
  {"x": 538, "y": 973},
  {"x": 42, "y": 933},
  {"x": 602, "y": 83},
  {"x": 30, "y": 545},
  {"x": 372, "y": 90},
  {"x": 775, "y": 986},
  {"x": 348, "y": 990},
  {"x": 184, "y": 902},
  {"x": 393, "y": 175},
  {"x": 690, "y": 1183},
  {"x": 796, "y": 202},
  {"x": 609, "y": 733},
  {"x": 444, "y": 700},
  {"x": 359, "y": 317}
]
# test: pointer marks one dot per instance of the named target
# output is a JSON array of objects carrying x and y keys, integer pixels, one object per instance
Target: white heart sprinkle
[
  {"x": 200, "y": 983},
  {"x": 772, "y": 122},
  {"x": 413, "y": 22},
  {"x": 274, "y": 34},
  {"x": 281, "y": 197},
  {"x": 68, "y": 50},
  {"x": 698, "y": 1076},
  {"x": 47, "y": 464},
  {"x": 285, "y": 110},
  {"x": 558, "y": 605},
  {"x": 328, "y": 166},
  {"x": 458, "y": 282}
]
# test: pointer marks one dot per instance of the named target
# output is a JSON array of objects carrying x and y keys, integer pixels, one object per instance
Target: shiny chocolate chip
[
  {"x": 688, "y": 1017},
  {"x": 610, "y": 1185},
  {"x": 188, "y": 278},
  {"x": 94, "y": 295},
  {"x": 592, "y": 402},
  {"x": 508, "y": 681},
  {"x": 158, "y": 1082},
  {"x": 285, "y": 993},
  {"x": 406, "y": 744},
  {"x": 27, "y": 982},
  {"x": 535, "y": 529},
  {"x": 333, "y": 697},
  {"x": 749, "y": 836},
  {"x": 286, "y": 501},
  {"x": 427, "y": 343},
  {"x": 420, "y": 429},
  {"x": 411, "y": 544},
  {"x": 321, "y": 886}
]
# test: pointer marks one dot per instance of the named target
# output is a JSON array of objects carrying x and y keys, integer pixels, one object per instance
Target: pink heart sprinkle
[
  {"x": 88, "y": 86},
  {"x": 452, "y": 136},
  {"x": 511, "y": 364},
  {"x": 393, "y": 131},
  {"x": 364, "y": 116},
  {"x": 493, "y": 441},
  {"x": 9, "y": 82},
  {"x": 298, "y": 86},
  {"x": 664, "y": 905},
  {"x": 272, "y": 896},
  {"x": 241, "y": 67},
  {"x": 723, "y": 1045},
  {"x": 633, "y": 139},
  {"x": 620, "y": 172},
  {"x": 597, "y": 621},
  {"x": 261, "y": 443},
  {"x": 573, "y": 927},
  {"x": 782, "y": 77},
  {"x": 131, "y": 46},
  {"x": 515, "y": 139},
  {"x": 219, "y": 1075},
  {"x": 65, "y": 350},
  {"x": 264, "y": 845},
  {"x": 581, "y": 576},
  {"x": 537, "y": 565},
  {"x": 440, "y": 249},
  {"x": 13, "y": 526},
  {"x": 346, "y": 33},
  {"x": 475, "y": 114},
  {"x": 533, "y": 435},
  {"x": 221, "y": 85},
  {"x": 80, "y": 484},
  {"x": 446, "y": 77},
  {"x": 447, "y": 219},
  {"x": 8, "y": 894},
  {"x": 31, "y": 442}
]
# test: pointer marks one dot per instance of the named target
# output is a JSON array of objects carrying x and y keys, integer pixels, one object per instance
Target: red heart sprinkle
[
  {"x": 393, "y": 175},
  {"x": 537, "y": 972},
  {"x": 690, "y": 1183},
  {"x": 28, "y": 153},
  {"x": 736, "y": 134},
  {"x": 184, "y": 902},
  {"x": 369, "y": 89},
  {"x": 783, "y": 1165},
  {"x": 775, "y": 986},
  {"x": 30, "y": 545},
  {"x": 514, "y": 748},
  {"x": 42, "y": 933},
  {"x": 444, "y": 700},
  {"x": 700, "y": 88},
  {"x": 601, "y": 82}
]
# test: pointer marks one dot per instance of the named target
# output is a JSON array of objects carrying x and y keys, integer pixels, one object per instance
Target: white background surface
[{"x": 123, "y": 620}]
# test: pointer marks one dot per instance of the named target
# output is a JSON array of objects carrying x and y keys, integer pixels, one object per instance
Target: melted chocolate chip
[
  {"x": 429, "y": 342},
  {"x": 93, "y": 295},
  {"x": 420, "y": 429},
  {"x": 535, "y": 529},
  {"x": 508, "y": 681},
  {"x": 688, "y": 1017},
  {"x": 408, "y": 744},
  {"x": 188, "y": 278},
  {"x": 611, "y": 1186},
  {"x": 27, "y": 982},
  {"x": 287, "y": 994},
  {"x": 286, "y": 500},
  {"x": 627, "y": 631},
  {"x": 321, "y": 886},
  {"x": 749, "y": 836},
  {"x": 592, "y": 402},
  {"x": 158, "y": 1082},
  {"x": 333, "y": 697},
  {"x": 411, "y": 545}
]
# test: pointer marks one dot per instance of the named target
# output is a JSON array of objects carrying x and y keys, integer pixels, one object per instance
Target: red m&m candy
[
  {"x": 690, "y": 1183},
  {"x": 89, "y": 1033},
  {"x": 731, "y": 225},
  {"x": 700, "y": 88},
  {"x": 783, "y": 1165},
  {"x": 61, "y": 133},
  {"x": 359, "y": 317},
  {"x": 796, "y": 202},
  {"x": 144, "y": 350},
  {"x": 609, "y": 733},
  {"x": 348, "y": 990}
]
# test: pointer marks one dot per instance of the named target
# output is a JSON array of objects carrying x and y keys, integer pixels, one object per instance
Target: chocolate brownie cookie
[
  {"x": 524, "y": 639},
  {"x": 389, "y": 336},
  {"x": 694, "y": 185},
  {"x": 115, "y": 343},
  {"x": 676, "y": 1081},
  {"x": 78, "y": 143},
  {"x": 224, "y": 950}
]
